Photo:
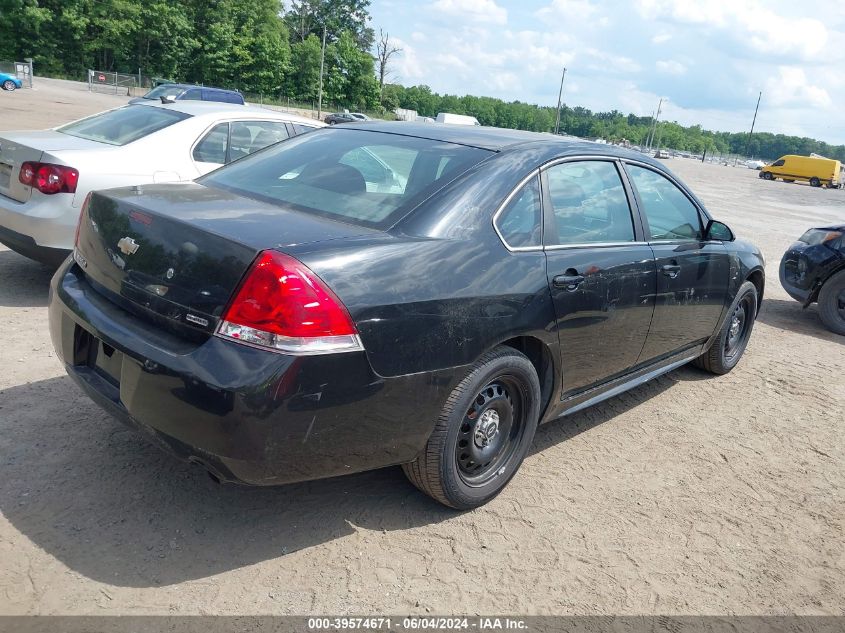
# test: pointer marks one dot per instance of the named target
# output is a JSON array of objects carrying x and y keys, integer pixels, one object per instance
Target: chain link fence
[{"x": 112, "y": 83}]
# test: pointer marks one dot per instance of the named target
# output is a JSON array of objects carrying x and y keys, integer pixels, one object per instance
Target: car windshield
[
  {"x": 165, "y": 90},
  {"x": 123, "y": 125},
  {"x": 361, "y": 177}
]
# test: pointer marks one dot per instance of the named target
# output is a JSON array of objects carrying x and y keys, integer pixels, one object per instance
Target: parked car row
[{"x": 373, "y": 294}]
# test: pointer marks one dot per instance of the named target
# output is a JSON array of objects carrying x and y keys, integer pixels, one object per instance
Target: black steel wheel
[
  {"x": 483, "y": 433},
  {"x": 729, "y": 345},
  {"x": 815, "y": 182},
  {"x": 767, "y": 175},
  {"x": 832, "y": 303}
]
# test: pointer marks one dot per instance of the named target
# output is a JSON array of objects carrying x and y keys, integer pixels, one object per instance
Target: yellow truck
[{"x": 815, "y": 170}]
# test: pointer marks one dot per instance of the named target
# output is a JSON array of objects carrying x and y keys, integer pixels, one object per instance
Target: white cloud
[
  {"x": 611, "y": 62},
  {"x": 477, "y": 10},
  {"x": 671, "y": 67},
  {"x": 791, "y": 88},
  {"x": 751, "y": 23},
  {"x": 660, "y": 38}
]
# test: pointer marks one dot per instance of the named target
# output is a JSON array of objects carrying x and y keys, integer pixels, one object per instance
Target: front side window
[
  {"x": 362, "y": 177},
  {"x": 520, "y": 221},
  {"x": 779, "y": 163},
  {"x": 123, "y": 125},
  {"x": 214, "y": 145},
  {"x": 670, "y": 214},
  {"x": 589, "y": 204},
  {"x": 164, "y": 90},
  {"x": 193, "y": 94}
]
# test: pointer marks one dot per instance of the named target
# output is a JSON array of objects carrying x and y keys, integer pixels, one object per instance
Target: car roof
[
  {"x": 495, "y": 138},
  {"x": 213, "y": 109},
  {"x": 177, "y": 85}
]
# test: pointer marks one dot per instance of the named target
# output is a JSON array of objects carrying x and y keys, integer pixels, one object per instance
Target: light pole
[
  {"x": 320, "y": 93},
  {"x": 559, "y": 98}
]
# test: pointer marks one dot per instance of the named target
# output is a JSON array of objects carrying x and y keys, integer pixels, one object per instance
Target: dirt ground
[{"x": 689, "y": 495}]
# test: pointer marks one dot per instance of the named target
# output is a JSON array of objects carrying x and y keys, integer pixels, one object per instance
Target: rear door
[
  {"x": 692, "y": 274},
  {"x": 600, "y": 271}
]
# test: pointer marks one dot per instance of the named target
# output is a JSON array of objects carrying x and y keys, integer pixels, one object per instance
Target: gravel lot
[{"x": 690, "y": 495}]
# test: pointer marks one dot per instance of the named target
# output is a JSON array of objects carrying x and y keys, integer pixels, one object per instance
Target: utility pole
[
  {"x": 753, "y": 121},
  {"x": 559, "y": 101},
  {"x": 654, "y": 125},
  {"x": 320, "y": 93}
]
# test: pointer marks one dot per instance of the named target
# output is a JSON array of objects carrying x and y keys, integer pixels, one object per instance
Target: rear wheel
[
  {"x": 482, "y": 434},
  {"x": 9, "y": 85},
  {"x": 815, "y": 182},
  {"x": 767, "y": 175},
  {"x": 724, "y": 353},
  {"x": 832, "y": 303}
]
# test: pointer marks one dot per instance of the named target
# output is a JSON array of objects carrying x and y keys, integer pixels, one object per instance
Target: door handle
[
  {"x": 671, "y": 270},
  {"x": 569, "y": 282}
]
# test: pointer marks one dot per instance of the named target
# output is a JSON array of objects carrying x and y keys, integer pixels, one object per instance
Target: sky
[{"x": 708, "y": 59}]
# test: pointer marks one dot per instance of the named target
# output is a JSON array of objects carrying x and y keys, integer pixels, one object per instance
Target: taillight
[
  {"x": 49, "y": 178},
  {"x": 282, "y": 305}
]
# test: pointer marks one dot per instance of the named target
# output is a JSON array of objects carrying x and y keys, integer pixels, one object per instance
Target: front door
[
  {"x": 601, "y": 274},
  {"x": 692, "y": 274}
]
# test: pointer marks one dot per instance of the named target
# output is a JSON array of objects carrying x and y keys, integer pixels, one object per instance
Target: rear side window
[
  {"x": 362, "y": 177},
  {"x": 298, "y": 128},
  {"x": 670, "y": 214},
  {"x": 251, "y": 136},
  {"x": 124, "y": 125},
  {"x": 589, "y": 204},
  {"x": 520, "y": 221},
  {"x": 213, "y": 146}
]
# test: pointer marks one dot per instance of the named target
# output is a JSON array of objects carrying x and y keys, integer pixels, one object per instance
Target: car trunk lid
[
  {"x": 175, "y": 254},
  {"x": 17, "y": 148}
]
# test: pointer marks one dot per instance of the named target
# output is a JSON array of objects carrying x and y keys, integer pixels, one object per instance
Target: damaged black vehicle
[
  {"x": 813, "y": 270},
  {"x": 395, "y": 293}
]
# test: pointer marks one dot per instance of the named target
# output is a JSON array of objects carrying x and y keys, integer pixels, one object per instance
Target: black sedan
[
  {"x": 345, "y": 117},
  {"x": 813, "y": 270},
  {"x": 291, "y": 316}
]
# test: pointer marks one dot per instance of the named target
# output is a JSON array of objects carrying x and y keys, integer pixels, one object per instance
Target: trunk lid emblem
[{"x": 128, "y": 246}]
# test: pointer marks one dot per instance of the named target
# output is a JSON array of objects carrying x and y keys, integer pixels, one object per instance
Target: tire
[
  {"x": 788, "y": 180},
  {"x": 332, "y": 123},
  {"x": 9, "y": 85},
  {"x": 491, "y": 414},
  {"x": 726, "y": 350},
  {"x": 767, "y": 175},
  {"x": 815, "y": 182},
  {"x": 832, "y": 303}
]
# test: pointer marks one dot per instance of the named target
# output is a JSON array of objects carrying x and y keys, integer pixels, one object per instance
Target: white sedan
[{"x": 45, "y": 175}]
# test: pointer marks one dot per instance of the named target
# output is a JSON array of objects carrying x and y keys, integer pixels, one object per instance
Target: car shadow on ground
[
  {"x": 789, "y": 315},
  {"x": 109, "y": 506},
  {"x": 25, "y": 282}
]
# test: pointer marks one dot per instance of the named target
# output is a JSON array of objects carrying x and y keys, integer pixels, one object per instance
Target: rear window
[
  {"x": 124, "y": 125},
  {"x": 361, "y": 177},
  {"x": 165, "y": 90}
]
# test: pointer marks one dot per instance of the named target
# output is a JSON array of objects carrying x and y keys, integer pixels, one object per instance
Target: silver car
[{"x": 46, "y": 175}]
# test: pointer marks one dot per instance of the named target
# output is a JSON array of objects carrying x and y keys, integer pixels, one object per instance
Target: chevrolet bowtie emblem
[{"x": 128, "y": 246}]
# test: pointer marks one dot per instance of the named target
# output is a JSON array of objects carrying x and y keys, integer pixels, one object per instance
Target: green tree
[{"x": 309, "y": 17}]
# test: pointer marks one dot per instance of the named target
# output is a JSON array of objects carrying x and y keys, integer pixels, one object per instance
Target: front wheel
[
  {"x": 832, "y": 303},
  {"x": 9, "y": 85},
  {"x": 482, "y": 434},
  {"x": 726, "y": 350},
  {"x": 815, "y": 182},
  {"x": 767, "y": 175}
]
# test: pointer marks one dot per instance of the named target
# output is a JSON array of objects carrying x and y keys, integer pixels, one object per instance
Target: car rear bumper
[
  {"x": 248, "y": 415},
  {"x": 49, "y": 222}
]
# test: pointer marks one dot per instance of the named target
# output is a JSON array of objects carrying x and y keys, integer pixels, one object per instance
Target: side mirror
[
  {"x": 720, "y": 231},
  {"x": 168, "y": 99}
]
